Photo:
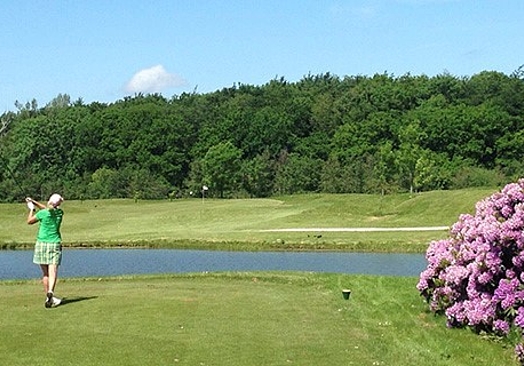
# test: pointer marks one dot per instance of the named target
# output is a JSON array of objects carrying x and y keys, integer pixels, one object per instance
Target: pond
[{"x": 17, "y": 264}]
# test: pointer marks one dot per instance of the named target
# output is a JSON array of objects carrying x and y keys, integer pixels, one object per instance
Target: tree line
[{"x": 323, "y": 133}]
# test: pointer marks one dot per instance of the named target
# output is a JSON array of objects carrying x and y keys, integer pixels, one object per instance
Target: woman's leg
[
  {"x": 53, "y": 277},
  {"x": 45, "y": 276},
  {"x": 49, "y": 278}
]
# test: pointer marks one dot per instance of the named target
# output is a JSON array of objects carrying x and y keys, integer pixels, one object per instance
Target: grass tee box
[
  {"x": 243, "y": 224},
  {"x": 235, "y": 319}
]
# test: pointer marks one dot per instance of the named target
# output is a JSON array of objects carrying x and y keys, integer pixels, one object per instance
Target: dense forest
[{"x": 324, "y": 133}]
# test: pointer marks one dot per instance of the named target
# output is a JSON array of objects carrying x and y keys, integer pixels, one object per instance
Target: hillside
[{"x": 245, "y": 224}]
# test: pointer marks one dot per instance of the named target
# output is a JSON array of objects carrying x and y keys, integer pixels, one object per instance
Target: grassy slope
[
  {"x": 234, "y": 319},
  {"x": 237, "y": 224}
]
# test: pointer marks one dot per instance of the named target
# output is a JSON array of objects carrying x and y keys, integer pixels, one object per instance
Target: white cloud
[
  {"x": 344, "y": 11},
  {"x": 153, "y": 80}
]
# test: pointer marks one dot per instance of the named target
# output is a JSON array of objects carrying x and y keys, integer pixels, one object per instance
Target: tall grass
[{"x": 241, "y": 223}]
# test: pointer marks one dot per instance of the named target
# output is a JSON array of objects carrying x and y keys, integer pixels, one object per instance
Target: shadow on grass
[{"x": 70, "y": 300}]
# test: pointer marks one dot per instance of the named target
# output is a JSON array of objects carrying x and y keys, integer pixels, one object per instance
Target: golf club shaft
[{"x": 14, "y": 179}]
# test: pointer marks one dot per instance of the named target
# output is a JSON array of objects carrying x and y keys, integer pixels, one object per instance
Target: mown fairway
[
  {"x": 239, "y": 223},
  {"x": 234, "y": 319},
  {"x": 240, "y": 318}
]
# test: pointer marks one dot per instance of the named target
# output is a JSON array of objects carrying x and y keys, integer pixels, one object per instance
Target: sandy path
[{"x": 362, "y": 229}]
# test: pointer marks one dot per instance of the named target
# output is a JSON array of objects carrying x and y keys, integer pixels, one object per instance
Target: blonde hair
[{"x": 55, "y": 200}]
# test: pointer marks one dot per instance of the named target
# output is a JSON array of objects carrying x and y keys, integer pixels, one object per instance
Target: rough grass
[
  {"x": 234, "y": 319},
  {"x": 239, "y": 224}
]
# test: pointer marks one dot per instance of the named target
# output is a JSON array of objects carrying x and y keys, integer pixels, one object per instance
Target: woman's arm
[
  {"x": 40, "y": 205},
  {"x": 31, "y": 217}
]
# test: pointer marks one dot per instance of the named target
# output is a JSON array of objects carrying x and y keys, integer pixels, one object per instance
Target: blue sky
[{"x": 104, "y": 50}]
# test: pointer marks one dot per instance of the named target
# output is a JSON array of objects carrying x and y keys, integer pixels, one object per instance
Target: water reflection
[{"x": 112, "y": 262}]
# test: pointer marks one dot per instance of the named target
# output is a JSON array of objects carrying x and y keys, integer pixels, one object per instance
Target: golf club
[
  {"x": 13, "y": 178},
  {"x": 3, "y": 130}
]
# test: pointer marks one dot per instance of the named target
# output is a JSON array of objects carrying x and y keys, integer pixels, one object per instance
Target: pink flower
[
  {"x": 501, "y": 326},
  {"x": 519, "y": 352},
  {"x": 455, "y": 274},
  {"x": 476, "y": 276},
  {"x": 519, "y": 319}
]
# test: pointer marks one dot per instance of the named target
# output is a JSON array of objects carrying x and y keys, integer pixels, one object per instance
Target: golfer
[{"x": 48, "y": 247}]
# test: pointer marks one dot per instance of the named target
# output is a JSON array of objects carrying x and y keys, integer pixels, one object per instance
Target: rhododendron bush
[{"x": 476, "y": 276}]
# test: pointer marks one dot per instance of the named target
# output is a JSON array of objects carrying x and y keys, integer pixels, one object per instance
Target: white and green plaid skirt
[{"x": 47, "y": 253}]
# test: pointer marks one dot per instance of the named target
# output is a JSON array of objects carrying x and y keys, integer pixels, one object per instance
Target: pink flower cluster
[{"x": 476, "y": 276}]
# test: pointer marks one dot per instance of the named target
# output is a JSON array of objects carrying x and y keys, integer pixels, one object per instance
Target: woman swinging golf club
[{"x": 48, "y": 247}]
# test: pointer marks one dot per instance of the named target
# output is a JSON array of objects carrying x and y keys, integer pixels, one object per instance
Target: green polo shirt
[{"x": 50, "y": 221}]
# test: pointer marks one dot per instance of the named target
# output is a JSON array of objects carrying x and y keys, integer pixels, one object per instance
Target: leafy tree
[
  {"x": 378, "y": 133},
  {"x": 447, "y": 86},
  {"x": 221, "y": 167},
  {"x": 60, "y": 101},
  {"x": 258, "y": 174},
  {"x": 144, "y": 185},
  {"x": 384, "y": 172},
  {"x": 103, "y": 184},
  {"x": 27, "y": 110},
  {"x": 471, "y": 176},
  {"x": 342, "y": 178},
  {"x": 195, "y": 179},
  {"x": 432, "y": 171},
  {"x": 408, "y": 153},
  {"x": 298, "y": 174}
]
